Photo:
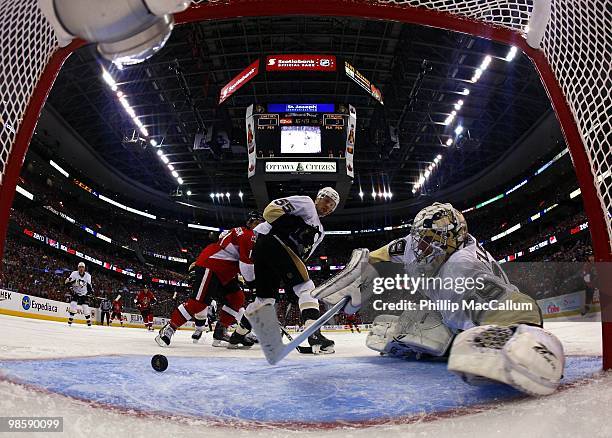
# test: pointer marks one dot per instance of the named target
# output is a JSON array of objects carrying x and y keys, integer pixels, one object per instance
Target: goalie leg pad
[
  {"x": 382, "y": 332},
  {"x": 423, "y": 332},
  {"x": 412, "y": 333},
  {"x": 525, "y": 357}
]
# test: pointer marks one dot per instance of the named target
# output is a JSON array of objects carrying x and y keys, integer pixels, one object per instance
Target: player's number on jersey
[
  {"x": 397, "y": 248},
  {"x": 285, "y": 205},
  {"x": 493, "y": 266}
]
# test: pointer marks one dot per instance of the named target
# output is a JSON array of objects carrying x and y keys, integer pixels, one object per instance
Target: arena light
[
  {"x": 421, "y": 180},
  {"x": 164, "y": 159},
  {"x": 175, "y": 174},
  {"x": 427, "y": 173},
  {"x": 486, "y": 62},
  {"x": 180, "y": 180},
  {"x": 448, "y": 142},
  {"x": 465, "y": 92},
  {"x": 170, "y": 166},
  {"x": 227, "y": 195},
  {"x": 212, "y": 196},
  {"x": 511, "y": 53},
  {"x": 458, "y": 105},
  {"x": 153, "y": 142},
  {"x": 240, "y": 195},
  {"x": 439, "y": 157},
  {"x": 203, "y": 227},
  {"x": 188, "y": 192},
  {"x": 58, "y": 168},
  {"x": 361, "y": 194},
  {"x": 373, "y": 194},
  {"x": 159, "y": 153},
  {"x": 575, "y": 193},
  {"x": 24, "y": 192},
  {"x": 458, "y": 130},
  {"x": 449, "y": 119},
  {"x": 109, "y": 79},
  {"x": 390, "y": 195}
]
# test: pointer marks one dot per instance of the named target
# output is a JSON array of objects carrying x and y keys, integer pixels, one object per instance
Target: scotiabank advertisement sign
[
  {"x": 301, "y": 62},
  {"x": 235, "y": 84}
]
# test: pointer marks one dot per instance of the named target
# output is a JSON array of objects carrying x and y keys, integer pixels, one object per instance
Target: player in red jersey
[
  {"x": 117, "y": 309},
  {"x": 213, "y": 276},
  {"x": 144, "y": 300},
  {"x": 352, "y": 321}
]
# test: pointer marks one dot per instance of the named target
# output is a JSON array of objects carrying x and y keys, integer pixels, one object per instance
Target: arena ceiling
[{"x": 421, "y": 71}]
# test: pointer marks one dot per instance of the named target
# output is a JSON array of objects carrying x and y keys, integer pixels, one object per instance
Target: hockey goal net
[{"x": 574, "y": 61}]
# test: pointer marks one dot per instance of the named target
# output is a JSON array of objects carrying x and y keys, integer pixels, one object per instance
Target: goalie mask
[{"x": 437, "y": 232}]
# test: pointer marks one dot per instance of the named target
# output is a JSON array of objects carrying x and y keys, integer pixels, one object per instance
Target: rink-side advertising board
[
  {"x": 29, "y": 306},
  {"x": 567, "y": 305}
]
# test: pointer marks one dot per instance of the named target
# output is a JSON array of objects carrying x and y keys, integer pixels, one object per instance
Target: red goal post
[{"x": 573, "y": 62}]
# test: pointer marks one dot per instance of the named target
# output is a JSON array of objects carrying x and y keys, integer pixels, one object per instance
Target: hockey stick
[
  {"x": 299, "y": 348},
  {"x": 264, "y": 320}
]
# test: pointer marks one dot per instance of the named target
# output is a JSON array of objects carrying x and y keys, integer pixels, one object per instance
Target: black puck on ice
[{"x": 159, "y": 362}]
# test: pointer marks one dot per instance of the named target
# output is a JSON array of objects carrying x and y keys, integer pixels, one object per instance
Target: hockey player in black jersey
[{"x": 289, "y": 236}]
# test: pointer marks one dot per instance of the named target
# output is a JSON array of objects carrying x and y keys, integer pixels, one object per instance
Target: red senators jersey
[
  {"x": 230, "y": 254},
  {"x": 117, "y": 306},
  {"x": 145, "y": 299}
]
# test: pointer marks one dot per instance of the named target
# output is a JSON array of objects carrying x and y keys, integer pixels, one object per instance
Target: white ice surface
[{"x": 579, "y": 411}]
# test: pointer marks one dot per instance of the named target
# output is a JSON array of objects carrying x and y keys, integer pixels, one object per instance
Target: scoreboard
[{"x": 303, "y": 131}]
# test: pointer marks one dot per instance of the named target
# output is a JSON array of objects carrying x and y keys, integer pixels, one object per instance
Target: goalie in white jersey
[
  {"x": 487, "y": 328},
  {"x": 79, "y": 282}
]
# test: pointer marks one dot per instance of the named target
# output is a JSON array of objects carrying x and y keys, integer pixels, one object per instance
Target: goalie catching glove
[{"x": 353, "y": 281}]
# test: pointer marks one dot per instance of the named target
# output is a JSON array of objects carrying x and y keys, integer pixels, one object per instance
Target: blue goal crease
[{"x": 334, "y": 389}]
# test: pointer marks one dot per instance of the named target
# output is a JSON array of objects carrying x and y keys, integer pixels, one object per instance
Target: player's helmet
[
  {"x": 254, "y": 216},
  {"x": 331, "y": 194},
  {"x": 437, "y": 232}
]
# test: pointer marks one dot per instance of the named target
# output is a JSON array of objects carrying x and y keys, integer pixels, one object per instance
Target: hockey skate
[
  {"x": 164, "y": 336},
  {"x": 220, "y": 336},
  {"x": 238, "y": 341},
  {"x": 251, "y": 337},
  {"x": 320, "y": 344},
  {"x": 197, "y": 334}
]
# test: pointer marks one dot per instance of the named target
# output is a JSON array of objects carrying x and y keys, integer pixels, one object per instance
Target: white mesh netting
[
  {"x": 577, "y": 45},
  {"x": 27, "y": 41}
]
